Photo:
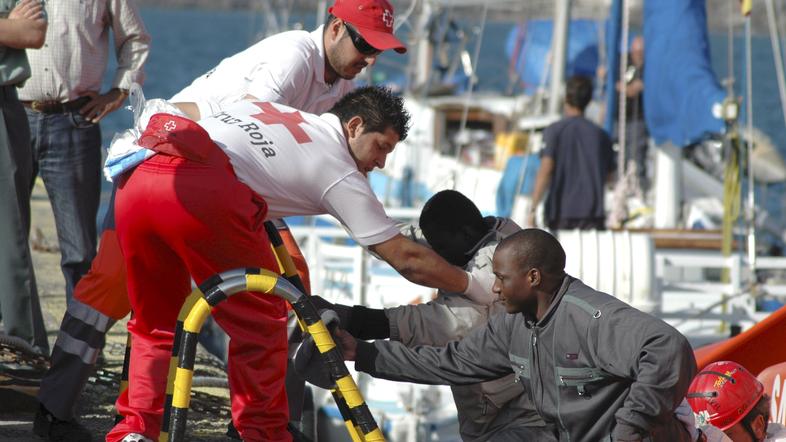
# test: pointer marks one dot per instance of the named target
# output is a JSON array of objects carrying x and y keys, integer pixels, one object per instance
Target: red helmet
[{"x": 723, "y": 393}]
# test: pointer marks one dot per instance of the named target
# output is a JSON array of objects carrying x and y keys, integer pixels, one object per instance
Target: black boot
[{"x": 47, "y": 426}]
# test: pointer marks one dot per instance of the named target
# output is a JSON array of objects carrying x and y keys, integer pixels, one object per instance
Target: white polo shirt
[
  {"x": 302, "y": 167},
  {"x": 286, "y": 68}
]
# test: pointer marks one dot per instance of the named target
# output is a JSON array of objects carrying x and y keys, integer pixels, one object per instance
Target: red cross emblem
[
  {"x": 387, "y": 17},
  {"x": 290, "y": 120}
]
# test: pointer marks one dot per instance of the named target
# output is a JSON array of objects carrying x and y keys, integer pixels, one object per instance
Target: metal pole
[
  {"x": 473, "y": 74},
  {"x": 621, "y": 154},
  {"x": 730, "y": 52},
  {"x": 559, "y": 40},
  {"x": 321, "y": 11},
  {"x": 777, "y": 56},
  {"x": 749, "y": 117},
  {"x": 419, "y": 71}
]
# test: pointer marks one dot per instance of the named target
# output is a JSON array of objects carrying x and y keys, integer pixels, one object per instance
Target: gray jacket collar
[{"x": 531, "y": 322}]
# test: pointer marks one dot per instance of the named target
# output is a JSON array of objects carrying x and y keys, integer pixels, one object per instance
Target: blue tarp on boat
[
  {"x": 528, "y": 45},
  {"x": 680, "y": 88}
]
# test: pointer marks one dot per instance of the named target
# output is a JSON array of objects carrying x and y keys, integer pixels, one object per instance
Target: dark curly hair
[
  {"x": 578, "y": 91},
  {"x": 378, "y": 108}
]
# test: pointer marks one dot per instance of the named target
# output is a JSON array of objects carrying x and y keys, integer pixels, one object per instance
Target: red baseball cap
[{"x": 373, "y": 19}]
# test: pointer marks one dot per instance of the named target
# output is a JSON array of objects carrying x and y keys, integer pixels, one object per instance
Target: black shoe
[
  {"x": 297, "y": 435},
  {"x": 47, "y": 426},
  {"x": 232, "y": 431}
]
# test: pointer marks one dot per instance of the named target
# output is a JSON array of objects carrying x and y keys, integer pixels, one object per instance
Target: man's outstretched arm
[
  {"x": 421, "y": 265},
  {"x": 481, "y": 356}
]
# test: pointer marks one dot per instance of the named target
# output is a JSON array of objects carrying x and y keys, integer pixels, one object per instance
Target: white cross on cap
[{"x": 387, "y": 17}]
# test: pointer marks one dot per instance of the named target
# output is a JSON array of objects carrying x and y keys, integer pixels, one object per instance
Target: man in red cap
[
  {"x": 372, "y": 19},
  {"x": 309, "y": 71}
]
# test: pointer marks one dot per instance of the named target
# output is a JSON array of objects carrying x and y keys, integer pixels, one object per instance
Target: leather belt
[{"x": 56, "y": 107}]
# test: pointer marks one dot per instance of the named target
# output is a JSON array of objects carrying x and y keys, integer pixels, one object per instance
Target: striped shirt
[{"x": 72, "y": 62}]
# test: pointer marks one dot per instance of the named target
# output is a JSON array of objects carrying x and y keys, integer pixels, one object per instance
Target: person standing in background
[
  {"x": 575, "y": 165},
  {"x": 636, "y": 134},
  {"x": 22, "y": 25},
  {"x": 64, "y": 105}
]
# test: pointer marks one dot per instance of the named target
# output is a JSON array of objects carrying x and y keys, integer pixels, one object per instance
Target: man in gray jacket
[
  {"x": 452, "y": 225},
  {"x": 595, "y": 368}
]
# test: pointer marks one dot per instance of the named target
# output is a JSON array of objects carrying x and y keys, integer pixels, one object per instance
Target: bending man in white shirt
[{"x": 250, "y": 162}]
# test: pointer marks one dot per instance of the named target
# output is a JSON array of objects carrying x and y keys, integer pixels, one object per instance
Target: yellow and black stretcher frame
[{"x": 357, "y": 417}]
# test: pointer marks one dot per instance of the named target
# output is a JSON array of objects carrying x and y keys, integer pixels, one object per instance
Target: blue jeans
[{"x": 67, "y": 156}]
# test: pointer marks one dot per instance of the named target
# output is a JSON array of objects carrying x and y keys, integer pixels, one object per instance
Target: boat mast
[
  {"x": 749, "y": 117},
  {"x": 321, "y": 9},
  {"x": 623, "y": 93},
  {"x": 473, "y": 68},
  {"x": 420, "y": 70},
  {"x": 559, "y": 39}
]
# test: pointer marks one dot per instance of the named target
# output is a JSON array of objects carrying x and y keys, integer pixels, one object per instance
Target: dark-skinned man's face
[{"x": 513, "y": 285}]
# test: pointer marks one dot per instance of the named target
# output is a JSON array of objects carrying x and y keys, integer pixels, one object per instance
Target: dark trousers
[
  {"x": 637, "y": 145},
  {"x": 67, "y": 156},
  {"x": 19, "y": 305}
]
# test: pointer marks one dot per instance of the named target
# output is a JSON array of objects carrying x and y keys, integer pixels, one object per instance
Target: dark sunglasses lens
[{"x": 360, "y": 44}]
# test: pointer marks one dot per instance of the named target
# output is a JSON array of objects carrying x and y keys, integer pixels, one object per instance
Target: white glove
[
  {"x": 479, "y": 290},
  {"x": 685, "y": 415},
  {"x": 776, "y": 432},
  {"x": 714, "y": 434}
]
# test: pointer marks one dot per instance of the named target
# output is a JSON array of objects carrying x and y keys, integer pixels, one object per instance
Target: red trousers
[
  {"x": 179, "y": 219},
  {"x": 104, "y": 286}
]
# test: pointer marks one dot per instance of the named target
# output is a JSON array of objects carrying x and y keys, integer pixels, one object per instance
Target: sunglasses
[{"x": 360, "y": 44}]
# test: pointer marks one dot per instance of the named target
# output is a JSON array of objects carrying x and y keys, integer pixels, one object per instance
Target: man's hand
[
  {"x": 27, "y": 10},
  {"x": 347, "y": 343},
  {"x": 632, "y": 89},
  {"x": 344, "y": 312},
  {"x": 25, "y": 26},
  {"x": 102, "y": 105},
  {"x": 684, "y": 414}
]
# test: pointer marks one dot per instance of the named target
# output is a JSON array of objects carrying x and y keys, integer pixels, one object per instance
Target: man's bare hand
[
  {"x": 27, "y": 10},
  {"x": 347, "y": 343},
  {"x": 632, "y": 89},
  {"x": 25, "y": 26},
  {"x": 102, "y": 105}
]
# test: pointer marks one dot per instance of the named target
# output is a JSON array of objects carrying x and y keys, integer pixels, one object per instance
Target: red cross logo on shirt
[{"x": 290, "y": 120}]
